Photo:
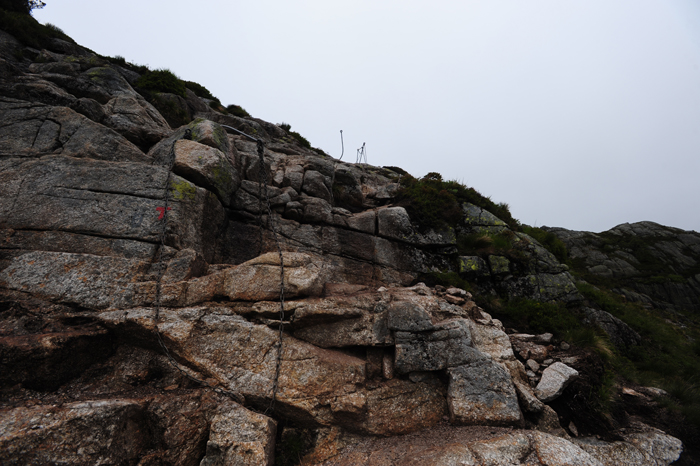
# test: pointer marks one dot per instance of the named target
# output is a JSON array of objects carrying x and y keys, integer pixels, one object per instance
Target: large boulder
[
  {"x": 481, "y": 392},
  {"x": 207, "y": 167}
]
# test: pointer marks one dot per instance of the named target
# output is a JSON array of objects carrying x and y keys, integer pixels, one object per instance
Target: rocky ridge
[
  {"x": 651, "y": 264},
  {"x": 117, "y": 230}
]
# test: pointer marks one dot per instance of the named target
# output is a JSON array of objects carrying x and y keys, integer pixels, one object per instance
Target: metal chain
[
  {"x": 161, "y": 271},
  {"x": 271, "y": 224}
]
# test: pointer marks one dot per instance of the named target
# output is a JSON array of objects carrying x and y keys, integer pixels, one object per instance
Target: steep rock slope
[{"x": 141, "y": 270}]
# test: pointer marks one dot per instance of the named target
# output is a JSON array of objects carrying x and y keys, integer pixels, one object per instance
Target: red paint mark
[{"x": 162, "y": 212}]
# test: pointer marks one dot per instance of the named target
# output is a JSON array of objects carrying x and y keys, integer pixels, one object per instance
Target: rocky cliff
[{"x": 220, "y": 293}]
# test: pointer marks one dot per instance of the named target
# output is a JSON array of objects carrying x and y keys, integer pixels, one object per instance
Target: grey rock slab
[
  {"x": 621, "y": 335},
  {"x": 81, "y": 433},
  {"x": 554, "y": 380},
  {"x": 613, "y": 453},
  {"x": 316, "y": 210},
  {"x": 656, "y": 446},
  {"x": 135, "y": 119},
  {"x": 316, "y": 185},
  {"x": 492, "y": 340},
  {"x": 90, "y": 108},
  {"x": 95, "y": 282},
  {"x": 477, "y": 216},
  {"x": 185, "y": 265},
  {"x": 394, "y": 223},
  {"x": 36, "y": 89},
  {"x": 502, "y": 451},
  {"x": 526, "y": 397},
  {"x": 450, "y": 454},
  {"x": 408, "y": 317},
  {"x": 342, "y": 326},
  {"x": 113, "y": 200},
  {"x": 447, "y": 345},
  {"x": 23, "y": 241},
  {"x": 482, "y": 393},
  {"x": 202, "y": 131},
  {"x": 109, "y": 81},
  {"x": 555, "y": 451},
  {"x": 30, "y": 129}
]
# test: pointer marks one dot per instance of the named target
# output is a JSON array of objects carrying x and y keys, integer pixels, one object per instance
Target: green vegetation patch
[
  {"x": 237, "y": 110},
  {"x": 162, "y": 80},
  {"x": 29, "y": 31},
  {"x": 434, "y": 203},
  {"x": 550, "y": 241},
  {"x": 200, "y": 91},
  {"x": 669, "y": 356}
]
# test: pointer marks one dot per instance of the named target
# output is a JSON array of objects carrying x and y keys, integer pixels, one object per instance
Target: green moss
[
  {"x": 222, "y": 176},
  {"x": 220, "y": 136},
  {"x": 181, "y": 189}
]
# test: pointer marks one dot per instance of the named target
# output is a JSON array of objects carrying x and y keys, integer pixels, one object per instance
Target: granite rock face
[{"x": 169, "y": 296}]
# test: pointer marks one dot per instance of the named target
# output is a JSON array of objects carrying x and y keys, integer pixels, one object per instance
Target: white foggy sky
[{"x": 579, "y": 114}]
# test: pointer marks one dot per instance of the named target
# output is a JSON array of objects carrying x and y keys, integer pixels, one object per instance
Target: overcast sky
[{"x": 579, "y": 114}]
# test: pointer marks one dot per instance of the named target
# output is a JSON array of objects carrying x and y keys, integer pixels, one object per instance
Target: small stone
[
  {"x": 533, "y": 365},
  {"x": 544, "y": 338},
  {"x": 382, "y": 289},
  {"x": 454, "y": 299},
  {"x": 573, "y": 429},
  {"x": 548, "y": 362},
  {"x": 456, "y": 292},
  {"x": 554, "y": 380},
  {"x": 522, "y": 336},
  {"x": 565, "y": 346}
]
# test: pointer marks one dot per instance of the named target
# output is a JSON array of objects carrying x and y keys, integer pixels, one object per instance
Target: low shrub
[
  {"x": 669, "y": 356},
  {"x": 29, "y": 31},
  {"x": 237, "y": 110},
  {"x": 434, "y": 203},
  {"x": 534, "y": 316},
  {"x": 162, "y": 80}
]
